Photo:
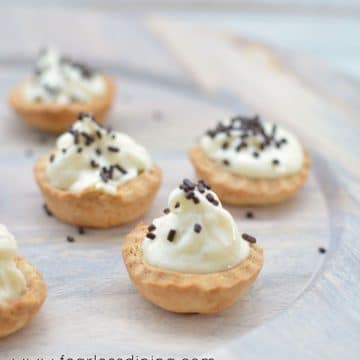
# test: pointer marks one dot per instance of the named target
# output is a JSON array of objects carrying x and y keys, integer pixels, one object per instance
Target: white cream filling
[
  {"x": 61, "y": 81},
  {"x": 12, "y": 280},
  {"x": 217, "y": 247},
  {"x": 89, "y": 156},
  {"x": 276, "y": 160}
]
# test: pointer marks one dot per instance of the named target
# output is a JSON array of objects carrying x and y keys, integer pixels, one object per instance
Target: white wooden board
[{"x": 303, "y": 304}]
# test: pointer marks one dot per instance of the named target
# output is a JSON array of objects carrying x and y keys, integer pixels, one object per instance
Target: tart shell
[
  {"x": 240, "y": 190},
  {"x": 56, "y": 118},
  {"x": 16, "y": 313},
  {"x": 97, "y": 209},
  {"x": 184, "y": 292}
]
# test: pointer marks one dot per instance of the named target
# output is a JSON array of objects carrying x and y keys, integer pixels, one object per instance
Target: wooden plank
[{"x": 304, "y": 305}]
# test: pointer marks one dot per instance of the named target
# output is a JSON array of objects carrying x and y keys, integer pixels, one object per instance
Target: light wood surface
[{"x": 304, "y": 305}]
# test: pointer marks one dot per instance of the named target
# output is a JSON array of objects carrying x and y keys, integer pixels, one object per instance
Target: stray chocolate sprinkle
[
  {"x": 197, "y": 228},
  {"x": 151, "y": 235},
  {"x": 249, "y": 238},
  {"x": 63, "y": 151},
  {"x": 98, "y": 151},
  {"x": 249, "y": 215},
  {"x": 79, "y": 150},
  {"x": 151, "y": 227},
  {"x": 171, "y": 235},
  {"x": 52, "y": 158},
  {"x": 255, "y": 154},
  {"x": 226, "y": 162},
  {"x": 47, "y": 210},
  {"x": 81, "y": 230},
  {"x": 113, "y": 149},
  {"x": 322, "y": 250},
  {"x": 275, "y": 162},
  {"x": 166, "y": 210},
  {"x": 70, "y": 239}
]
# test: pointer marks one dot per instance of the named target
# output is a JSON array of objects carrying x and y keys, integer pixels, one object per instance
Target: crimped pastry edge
[
  {"x": 17, "y": 313},
  {"x": 188, "y": 292},
  {"x": 56, "y": 118},
  {"x": 240, "y": 190},
  {"x": 94, "y": 208}
]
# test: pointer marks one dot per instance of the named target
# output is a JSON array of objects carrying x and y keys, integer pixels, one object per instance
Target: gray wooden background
[{"x": 176, "y": 68}]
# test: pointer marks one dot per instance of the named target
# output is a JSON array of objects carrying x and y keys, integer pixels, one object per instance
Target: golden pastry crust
[
  {"x": 94, "y": 208},
  {"x": 17, "y": 313},
  {"x": 188, "y": 293},
  {"x": 240, "y": 190},
  {"x": 56, "y": 118}
]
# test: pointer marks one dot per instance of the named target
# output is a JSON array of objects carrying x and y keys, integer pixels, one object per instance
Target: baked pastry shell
[
  {"x": 16, "y": 313},
  {"x": 188, "y": 292},
  {"x": 241, "y": 190},
  {"x": 97, "y": 209},
  {"x": 56, "y": 118}
]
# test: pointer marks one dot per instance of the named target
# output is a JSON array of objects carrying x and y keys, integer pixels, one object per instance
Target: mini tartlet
[
  {"x": 96, "y": 177},
  {"x": 61, "y": 88},
  {"x": 251, "y": 162},
  {"x": 192, "y": 259},
  {"x": 22, "y": 288}
]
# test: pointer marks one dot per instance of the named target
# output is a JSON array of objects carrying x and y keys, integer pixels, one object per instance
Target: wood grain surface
[{"x": 304, "y": 305}]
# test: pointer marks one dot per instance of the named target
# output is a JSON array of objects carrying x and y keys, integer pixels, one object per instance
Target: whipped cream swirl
[
  {"x": 195, "y": 235},
  {"x": 12, "y": 280},
  {"x": 61, "y": 80},
  {"x": 253, "y": 148},
  {"x": 89, "y": 156}
]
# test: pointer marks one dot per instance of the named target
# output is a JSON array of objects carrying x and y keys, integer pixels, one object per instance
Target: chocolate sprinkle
[
  {"x": 166, "y": 211},
  {"x": 171, "y": 235},
  {"x": 275, "y": 162},
  {"x": 249, "y": 238},
  {"x": 249, "y": 215},
  {"x": 70, "y": 239},
  {"x": 151, "y": 227},
  {"x": 151, "y": 235},
  {"x": 244, "y": 127},
  {"x": 211, "y": 199},
  {"x": 52, "y": 158},
  {"x": 197, "y": 228},
  {"x": 226, "y": 162},
  {"x": 322, "y": 250},
  {"x": 113, "y": 149},
  {"x": 81, "y": 230},
  {"x": 47, "y": 210},
  {"x": 177, "y": 205},
  {"x": 94, "y": 164}
]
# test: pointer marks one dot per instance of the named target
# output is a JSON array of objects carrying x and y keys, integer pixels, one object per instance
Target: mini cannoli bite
[
  {"x": 96, "y": 177},
  {"x": 192, "y": 259},
  {"x": 58, "y": 90},
  {"x": 248, "y": 161},
  {"x": 22, "y": 288}
]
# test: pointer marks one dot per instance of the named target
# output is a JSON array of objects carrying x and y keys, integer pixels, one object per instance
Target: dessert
[
  {"x": 22, "y": 288},
  {"x": 192, "y": 259},
  {"x": 60, "y": 88},
  {"x": 251, "y": 162},
  {"x": 96, "y": 177}
]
